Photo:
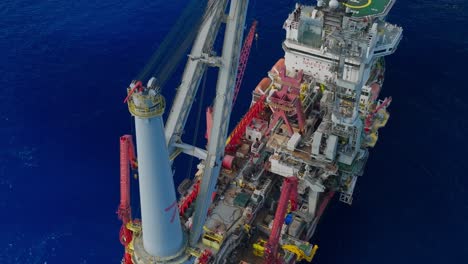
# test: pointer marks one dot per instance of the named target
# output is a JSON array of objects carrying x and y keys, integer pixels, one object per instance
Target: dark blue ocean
[{"x": 64, "y": 67}]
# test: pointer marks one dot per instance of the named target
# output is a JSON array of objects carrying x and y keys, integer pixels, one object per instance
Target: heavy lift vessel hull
[{"x": 304, "y": 138}]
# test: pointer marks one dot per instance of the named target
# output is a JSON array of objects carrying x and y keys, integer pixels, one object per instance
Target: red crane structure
[
  {"x": 288, "y": 194},
  {"x": 127, "y": 158},
  {"x": 236, "y": 135},
  {"x": 243, "y": 59},
  {"x": 189, "y": 199}
]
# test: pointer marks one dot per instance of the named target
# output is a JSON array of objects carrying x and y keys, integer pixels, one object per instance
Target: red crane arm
[
  {"x": 243, "y": 59},
  {"x": 236, "y": 135},
  {"x": 288, "y": 193},
  {"x": 127, "y": 157}
]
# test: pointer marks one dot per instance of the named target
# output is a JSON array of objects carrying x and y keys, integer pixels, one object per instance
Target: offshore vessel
[{"x": 259, "y": 193}]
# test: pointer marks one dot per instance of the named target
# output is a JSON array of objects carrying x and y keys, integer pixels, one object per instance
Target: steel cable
[{"x": 172, "y": 49}]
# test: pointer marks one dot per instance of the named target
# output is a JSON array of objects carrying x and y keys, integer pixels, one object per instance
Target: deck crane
[
  {"x": 127, "y": 159},
  {"x": 157, "y": 143},
  {"x": 244, "y": 58},
  {"x": 288, "y": 195}
]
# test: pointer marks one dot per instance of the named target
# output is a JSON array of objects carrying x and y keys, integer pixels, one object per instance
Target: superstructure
[{"x": 260, "y": 190}]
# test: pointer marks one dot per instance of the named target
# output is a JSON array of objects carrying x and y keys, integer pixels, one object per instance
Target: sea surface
[{"x": 64, "y": 67}]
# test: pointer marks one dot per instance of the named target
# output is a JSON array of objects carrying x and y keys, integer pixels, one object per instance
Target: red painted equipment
[
  {"x": 228, "y": 162},
  {"x": 138, "y": 85},
  {"x": 244, "y": 57},
  {"x": 204, "y": 257},
  {"x": 189, "y": 199},
  {"x": 370, "y": 117},
  {"x": 127, "y": 157},
  {"x": 280, "y": 103},
  {"x": 209, "y": 123},
  {"x": 239, "y": 130},
  {"x": 276, "y": 116},
  {"x": 263, "y": 85},
  {"x": 288, "y": 194},
  {"x": 291, "y": 81},
  {"x": 286, "y": 102}
]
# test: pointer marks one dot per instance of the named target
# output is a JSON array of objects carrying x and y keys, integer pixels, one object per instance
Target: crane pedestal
[
  {"x": 162, "y": 238},
  {"x": 141, "y": 256}
]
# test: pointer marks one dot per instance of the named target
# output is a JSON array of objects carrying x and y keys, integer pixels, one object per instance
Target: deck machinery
[{"x": 259, "y": 193}]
